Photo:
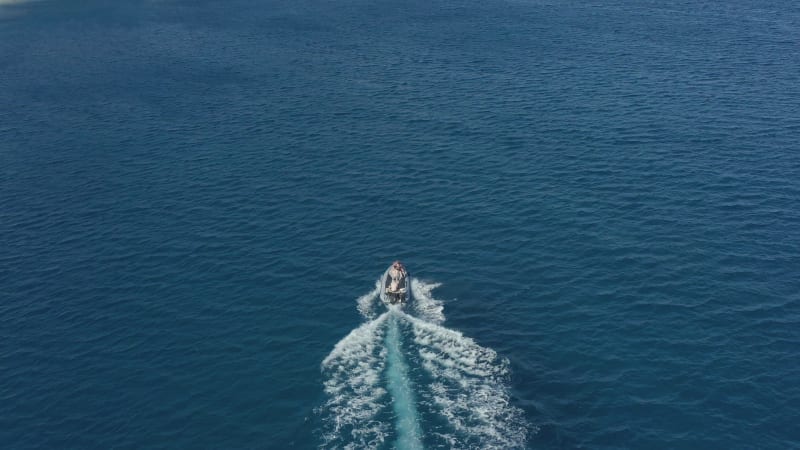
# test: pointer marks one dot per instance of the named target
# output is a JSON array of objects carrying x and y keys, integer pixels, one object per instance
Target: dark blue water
[{"x": 603, "y": 197}]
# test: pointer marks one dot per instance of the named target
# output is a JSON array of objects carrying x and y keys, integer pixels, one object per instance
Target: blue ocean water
[{"x": 599, "y": 203}]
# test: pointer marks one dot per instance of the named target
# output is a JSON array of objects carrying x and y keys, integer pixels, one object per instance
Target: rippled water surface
[{"x": 599, "y": 203}]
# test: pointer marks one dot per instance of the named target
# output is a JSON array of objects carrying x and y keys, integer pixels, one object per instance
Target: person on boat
[
  {"x": 398, "y": 266},
  {"x": 396, "y": 273}
]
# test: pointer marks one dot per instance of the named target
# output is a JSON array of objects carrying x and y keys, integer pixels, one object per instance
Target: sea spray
[
  {"x": 425, "y": 306},
  {"x": 367, "y": 303},
  {"x": 459, "y": 383},
  {"x": 469, "y": 389},
  {"x": 409, "y": 435},
  {"x": 354, "y": 388}
]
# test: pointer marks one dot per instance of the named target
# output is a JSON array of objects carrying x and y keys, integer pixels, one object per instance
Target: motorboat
[{"x": 395, "y": 285}]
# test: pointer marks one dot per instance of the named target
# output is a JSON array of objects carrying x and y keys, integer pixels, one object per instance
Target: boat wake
[{"x": 402, "y": 380}]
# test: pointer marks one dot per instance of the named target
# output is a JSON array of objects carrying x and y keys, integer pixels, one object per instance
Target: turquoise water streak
[{"x": 409, "y": 434}]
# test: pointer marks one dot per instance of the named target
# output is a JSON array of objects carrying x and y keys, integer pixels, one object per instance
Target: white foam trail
[
  {"x": 409, "y": 434},
  {"x": 368, "y": 302},
  {"x": 425, "y": 306},
  {"x": 368, "y": 375},
  {"x": 469, "y": 389},
  {"x": 353, "y": 386}
]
